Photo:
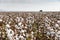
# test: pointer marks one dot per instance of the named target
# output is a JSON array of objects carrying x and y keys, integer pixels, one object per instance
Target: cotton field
[{"x": 29, "y": 26}]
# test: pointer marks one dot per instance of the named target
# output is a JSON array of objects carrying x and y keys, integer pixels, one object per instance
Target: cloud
[
  {"x": 29, "y": 5},
  {"x": 28, "y": 1},
  {"x": 53, "y": 6},
  {"x": 23, "y": 1}
]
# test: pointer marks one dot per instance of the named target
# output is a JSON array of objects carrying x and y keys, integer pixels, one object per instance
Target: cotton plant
[
  {"x": 3, "y": 35},
  {"x": 30, "y": 19},
  {"x": 19, "y": 19},
  {"x": 9, "y": 33},
  {"x": 16, "y": 37}
]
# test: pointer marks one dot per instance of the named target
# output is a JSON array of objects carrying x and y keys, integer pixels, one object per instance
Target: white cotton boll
[
  {"x": 22, "y": 19},
  {"x": 58, "y": 34},
  {"x": 7, "y": 25},
  {"x": 52, "y": 21},
  {"x": 56, "y": 30},
  {"x": 32, "y": 39},
  {"x": 27, "y": 35},
  {"x": 32, "y": 32},
  {"x": 17, "y": 27},
  {"x": 9, "y": 22},
  {"x": 17, "y": 38},
  {"x": 56, "y": 25},
  {"x": 23, "y": 34},
  {"x": 22, "y": 26},
  {"x": 25, "y": 26},
  {"x": 48, "y": 27},
  {"x": 58, "y": 21},
  {"x": 0, "y": 20},
  {"x": 18, "y": 18},
  {"x": 48, "y": 33},
  {"x": 46, "y": 19},
  {"x": 19, "y": 23},
  {"x": 22, "y": 31},
  {"x": 52, "y": 35},
  {"x": 51, "y": 30}
]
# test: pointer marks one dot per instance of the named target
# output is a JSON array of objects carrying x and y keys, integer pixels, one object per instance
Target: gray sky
[{"x": 29, "y": 5}]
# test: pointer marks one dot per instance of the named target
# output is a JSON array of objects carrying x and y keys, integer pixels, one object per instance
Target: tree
[{"x": 40, "y": 10}]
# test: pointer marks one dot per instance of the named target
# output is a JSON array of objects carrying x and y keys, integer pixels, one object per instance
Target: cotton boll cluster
[
  {"x": 8, "y": 26},
  {"x": 30, "y": 19},
  {"x": 10, "y": 33}
]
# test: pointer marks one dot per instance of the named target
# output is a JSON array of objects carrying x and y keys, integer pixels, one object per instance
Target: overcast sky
[{"x": 29, "y": 5}]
